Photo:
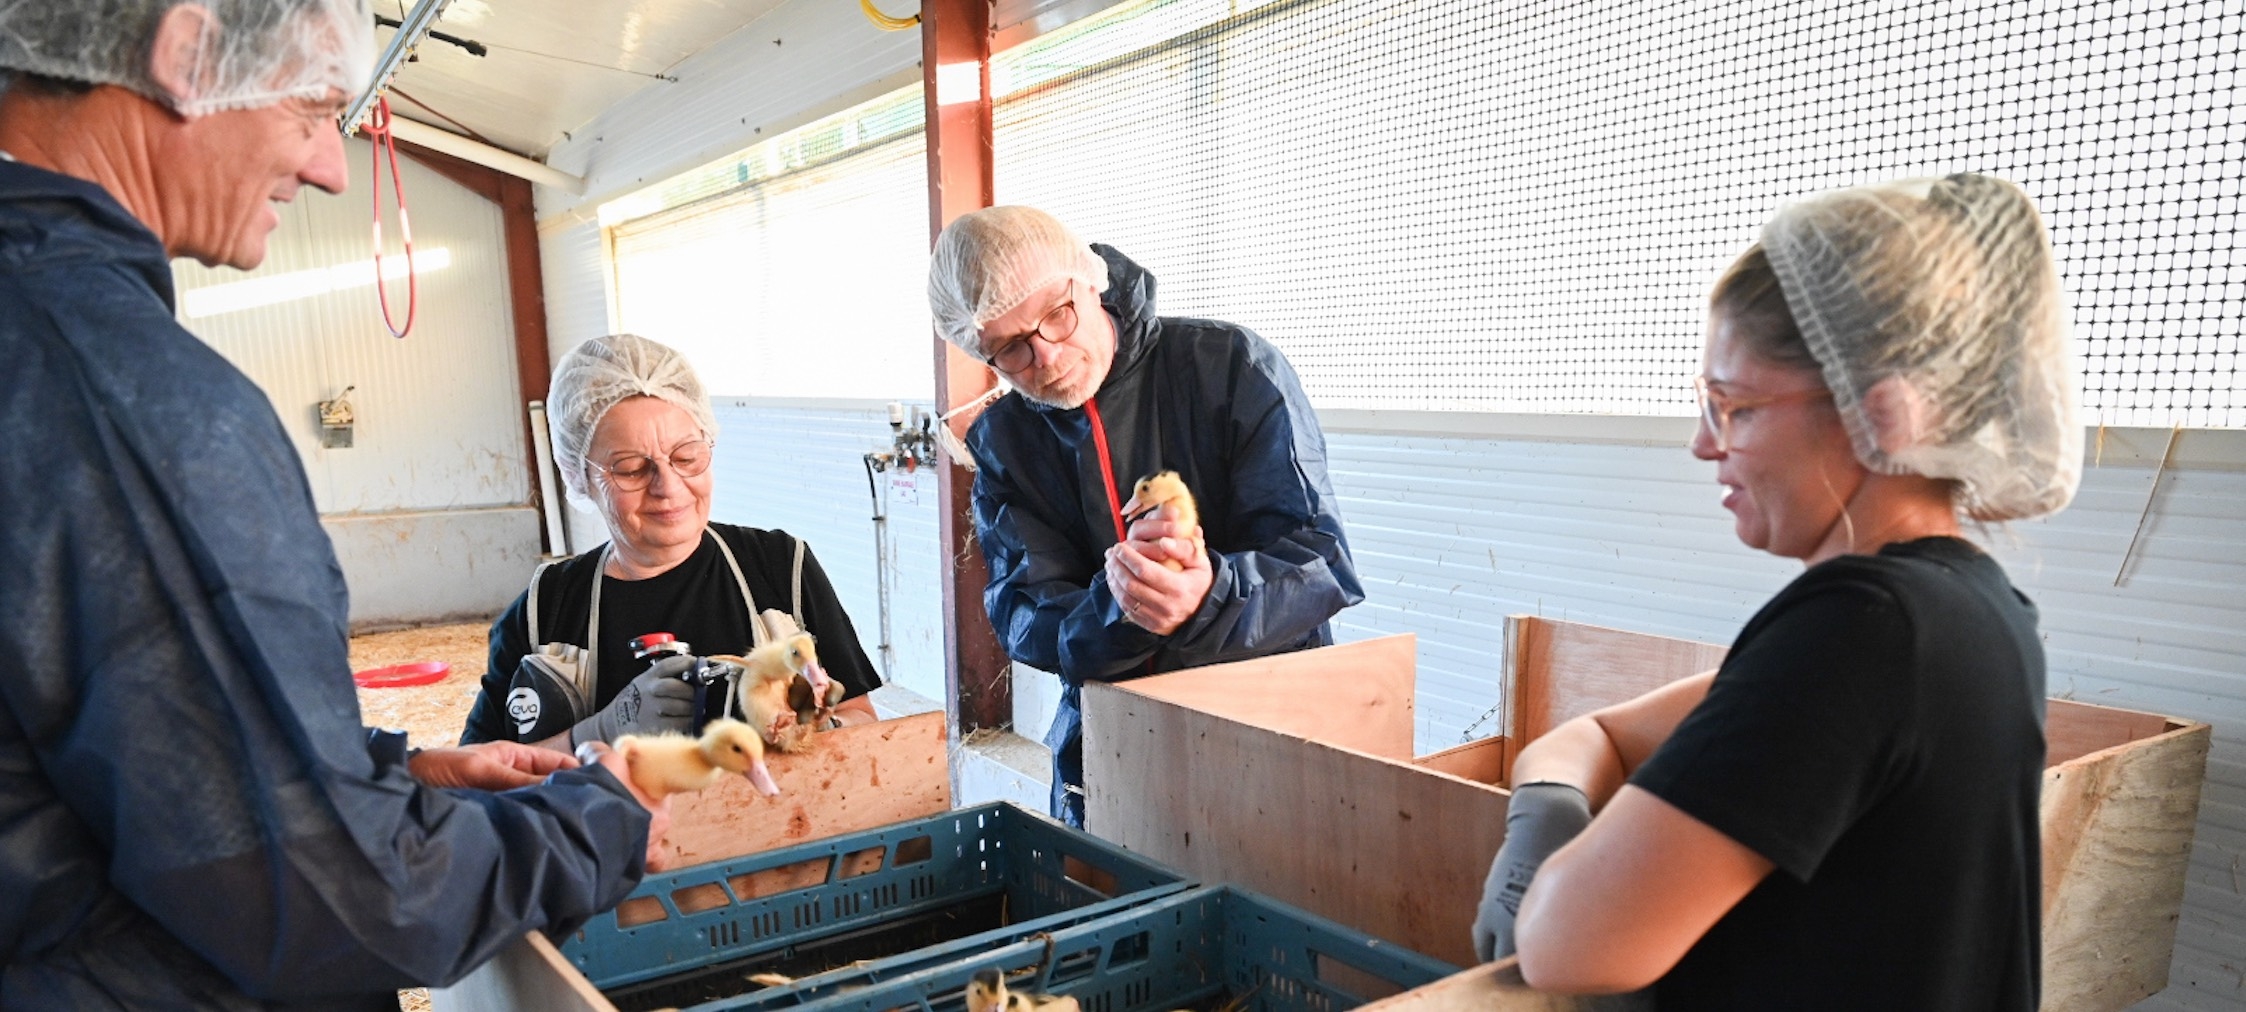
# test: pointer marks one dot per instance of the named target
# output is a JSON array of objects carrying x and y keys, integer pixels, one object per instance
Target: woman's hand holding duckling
[
  {"x": 1154, "y": 595},
  {"x": 487, "y": 766}
]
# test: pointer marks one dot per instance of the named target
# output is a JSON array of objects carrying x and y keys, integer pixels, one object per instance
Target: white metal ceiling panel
[{"x": 551, "y": 67}]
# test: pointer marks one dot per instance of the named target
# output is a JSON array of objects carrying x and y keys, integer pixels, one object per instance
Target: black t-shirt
[
  {"x": 1877, "y": 733},
  {"x": 697, "y": 601}
]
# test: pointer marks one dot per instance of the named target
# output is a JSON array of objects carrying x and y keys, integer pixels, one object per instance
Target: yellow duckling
[
  {"x": 986, "y": 992},
  {"x": 784, "y": 690},
  {"x": 1159, "y": 490},
  {"x": 667, "y": 764}
]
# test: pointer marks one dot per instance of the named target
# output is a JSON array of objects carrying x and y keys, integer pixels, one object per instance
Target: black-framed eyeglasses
[
  {"x": 1717, "y": 407},
  {"x": 1057, "y": 325},
  {"x": 633, "y": 471}
]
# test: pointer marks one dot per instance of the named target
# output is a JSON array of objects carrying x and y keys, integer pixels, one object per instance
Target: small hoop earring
[{"x": 1848, "y": 523}]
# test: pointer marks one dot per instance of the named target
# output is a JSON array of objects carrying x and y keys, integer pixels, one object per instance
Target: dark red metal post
[{"x": 956, "y": 34}]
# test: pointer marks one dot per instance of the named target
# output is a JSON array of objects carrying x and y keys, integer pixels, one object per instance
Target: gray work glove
[
  {"x": 658, "y": 700},
  {"x": 1541, "y": 819}
]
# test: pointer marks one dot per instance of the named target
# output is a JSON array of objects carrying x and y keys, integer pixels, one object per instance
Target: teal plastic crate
[
  {"x": 961, "y": 881},
  {"x": 1209, "y": 948}
]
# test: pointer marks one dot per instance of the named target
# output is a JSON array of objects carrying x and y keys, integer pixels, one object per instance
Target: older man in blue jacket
[
  {"x": 1104, "y": 393},
  {"x": 191, "y": 814}
]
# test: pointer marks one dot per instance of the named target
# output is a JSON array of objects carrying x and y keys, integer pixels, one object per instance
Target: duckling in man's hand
[
  {"x": 1160, "y": 490},
  {"x": 667, "y": 764}
]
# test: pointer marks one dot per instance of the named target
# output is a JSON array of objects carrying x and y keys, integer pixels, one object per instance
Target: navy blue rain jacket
[
  {"x": 1220, "y": 406},
  {"x": 189, "y": 813}
]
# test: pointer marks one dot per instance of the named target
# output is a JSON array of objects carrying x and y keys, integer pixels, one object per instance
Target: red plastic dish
[{"x": 401, "y": 675}]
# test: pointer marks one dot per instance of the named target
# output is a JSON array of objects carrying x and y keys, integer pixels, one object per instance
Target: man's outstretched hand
[{"x": 487, "y": 766}]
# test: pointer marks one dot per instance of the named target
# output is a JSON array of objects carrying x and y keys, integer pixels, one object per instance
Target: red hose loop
[{"x": 378, "y": 130}]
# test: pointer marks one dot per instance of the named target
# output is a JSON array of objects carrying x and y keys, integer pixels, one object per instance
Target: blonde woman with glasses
[{"x": 634, "y": 437}]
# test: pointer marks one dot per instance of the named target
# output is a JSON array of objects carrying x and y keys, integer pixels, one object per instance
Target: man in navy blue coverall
[
  {"x": 191, "y": 814},
  {"x": 1104, "y": 393}
]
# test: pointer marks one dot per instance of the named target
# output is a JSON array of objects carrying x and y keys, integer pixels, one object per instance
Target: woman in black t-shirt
[
  {"x": 633, "y": 435},
  {"x": 1844, "y": 815}
]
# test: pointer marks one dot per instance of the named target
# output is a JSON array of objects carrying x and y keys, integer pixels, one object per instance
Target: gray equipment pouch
[
  {"x": 552, "y": 686},
  {"x": 542, "y": 695}
]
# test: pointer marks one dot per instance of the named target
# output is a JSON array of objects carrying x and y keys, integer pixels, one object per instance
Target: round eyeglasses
[
  {"x": 1057, "y": 325},
  {"x": 632, "y": 472},
  {"x": 1718, "y": 408}
]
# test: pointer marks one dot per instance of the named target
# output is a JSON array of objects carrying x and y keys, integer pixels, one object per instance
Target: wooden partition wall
[{"x": 1295, "y": 776}]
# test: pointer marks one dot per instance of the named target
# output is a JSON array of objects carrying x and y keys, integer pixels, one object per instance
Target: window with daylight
[
  {"x": 795, "y": 268},
  {"x": 1520, "y": 206}
]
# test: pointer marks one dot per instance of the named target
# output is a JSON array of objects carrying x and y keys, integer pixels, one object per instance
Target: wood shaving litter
[{"x": 433, "y": 714}]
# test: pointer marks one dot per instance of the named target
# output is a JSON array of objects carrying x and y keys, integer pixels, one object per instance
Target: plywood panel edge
[
  {"x": 1498, "y": 987},
  {"x": 2076, "y": 730},
  {"x": 1481, "y": 761},
  {"x": 857, "y": 778},
  {"x": 1359, "y": 695},
  {"x": 2117, "y": 837},
  {"x": 530, "y": 974},
  {"x": 1525, "y": 680},
  {"x": 1557, "y": 670},
  {"x": 1374, "y": 843}
]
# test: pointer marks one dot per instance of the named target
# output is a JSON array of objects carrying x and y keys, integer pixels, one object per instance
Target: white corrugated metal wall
[
  {"x": 426, "y": 507},
  {"x": 805, "y": 59},
  {"x": 437, "y": 426},
  {"x": 573, "y": 257},
  {"x": 782, "y": 288},
  {"x": 797, "y": 466}
]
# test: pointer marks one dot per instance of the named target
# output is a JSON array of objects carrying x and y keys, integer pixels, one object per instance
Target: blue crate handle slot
[
  {"x": 1164, "y": 954},
  {"x": 969, "y": 853}
]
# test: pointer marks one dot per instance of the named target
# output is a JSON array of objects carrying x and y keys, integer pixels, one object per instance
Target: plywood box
[
  {"x": 1294, "y": 776},
  {"x": 859, "y": 777}
]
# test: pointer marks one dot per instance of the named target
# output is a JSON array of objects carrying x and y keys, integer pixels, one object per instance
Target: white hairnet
[
  {"x": 1933, "y": 307},
  {"x": 251, "y": 52},
  {"x": 603, "y": 372},
  {"x": 986, "y": 262}
]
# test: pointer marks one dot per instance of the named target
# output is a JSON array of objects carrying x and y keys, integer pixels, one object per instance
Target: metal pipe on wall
[
  {"x": 485, "y": 155},
  {"x": 878, "y": 488},
  {"x": 557, "y": 532}
]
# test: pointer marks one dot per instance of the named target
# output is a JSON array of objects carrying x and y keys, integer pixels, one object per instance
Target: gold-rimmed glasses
[
  {"x": 1717, "y": 409},
  {"x": 632, "y": 472}
]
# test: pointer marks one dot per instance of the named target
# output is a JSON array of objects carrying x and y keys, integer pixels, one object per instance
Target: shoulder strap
[
  {"x": 588, "y": 673},
  {"x": 756, "y": 628},
  {"x": 796, "y": 593},
  {"x": 530, "y": 607},
  {"x": 584, "y": 677}
]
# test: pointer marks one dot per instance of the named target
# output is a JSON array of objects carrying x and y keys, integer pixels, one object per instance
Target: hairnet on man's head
[
  {"x": 249, "y": 53},
  {"x": 604, "y": 372},
  {"x": 1933, "y": 308},
  {"x": 987, "y": 262}
]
